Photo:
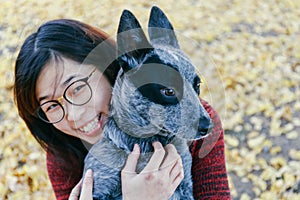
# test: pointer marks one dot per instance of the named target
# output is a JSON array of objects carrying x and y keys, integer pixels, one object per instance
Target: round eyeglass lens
[
  {"x": 78, "y": 93},
  {"x": 51, "y": 112}
]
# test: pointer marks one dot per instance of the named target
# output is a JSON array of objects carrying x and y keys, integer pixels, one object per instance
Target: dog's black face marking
[
  {"x": 160, "y": 82},
  {"x": 159, "y": 94}
]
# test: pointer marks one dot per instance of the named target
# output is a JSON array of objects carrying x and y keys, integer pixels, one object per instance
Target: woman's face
[{"x": 86, "y": 121}]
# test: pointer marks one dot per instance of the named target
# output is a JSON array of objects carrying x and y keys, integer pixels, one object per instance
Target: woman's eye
[
  {"x": 168, "y": 91},
  {"x": 78, "y": 88},
  {"x": 51, "y": 107}
]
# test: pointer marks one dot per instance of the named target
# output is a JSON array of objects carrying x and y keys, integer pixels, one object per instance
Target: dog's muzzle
[{"x": 205, "y": 127}]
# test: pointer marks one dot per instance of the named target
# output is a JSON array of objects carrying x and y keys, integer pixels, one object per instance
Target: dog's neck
[{"x": 126, "y": 142}]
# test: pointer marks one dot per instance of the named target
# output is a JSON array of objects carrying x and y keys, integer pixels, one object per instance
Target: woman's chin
[{"x": 93, "y": 136}]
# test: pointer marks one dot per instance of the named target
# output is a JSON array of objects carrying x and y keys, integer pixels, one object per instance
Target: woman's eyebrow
[
  {"x": 66, "y": 82},
  {"x": 42, "y": 98}
]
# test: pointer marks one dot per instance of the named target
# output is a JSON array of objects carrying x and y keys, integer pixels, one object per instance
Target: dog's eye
[
  {"x": 168, "y": 91},
  {"x": 196, "y": 84}
]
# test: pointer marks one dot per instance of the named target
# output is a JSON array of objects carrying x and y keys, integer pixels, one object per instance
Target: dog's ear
[
  {"x": 131, "y": 41},
  {"x": 160, "y": 29}
]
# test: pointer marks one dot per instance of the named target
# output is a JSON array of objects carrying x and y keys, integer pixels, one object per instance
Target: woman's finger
[
  {"x": 171, "y": 157},
  {"x": 176, "y": 170},
  {"x": 177, "y": 181},
  {"x": 156, "y": 159},
  {"x": 76, "y": 191},
  {"x": 132, "y": 160},
  {"x": 87, "y": 186}
]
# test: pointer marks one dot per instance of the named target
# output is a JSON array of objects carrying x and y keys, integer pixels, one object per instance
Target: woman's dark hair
[{"x": 59, "y": 38}]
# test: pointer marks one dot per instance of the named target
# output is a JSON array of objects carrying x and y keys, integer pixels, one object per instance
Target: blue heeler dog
[{"x": 155, "y": 98}]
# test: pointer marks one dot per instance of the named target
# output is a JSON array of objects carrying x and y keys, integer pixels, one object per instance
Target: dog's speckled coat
[{"x": 145, "y": 114}]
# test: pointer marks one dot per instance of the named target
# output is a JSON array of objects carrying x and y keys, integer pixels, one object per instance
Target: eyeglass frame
[{"x": 59, "y": 99}]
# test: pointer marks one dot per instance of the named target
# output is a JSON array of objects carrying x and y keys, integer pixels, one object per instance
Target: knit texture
[{"x": 208, "y": 167}]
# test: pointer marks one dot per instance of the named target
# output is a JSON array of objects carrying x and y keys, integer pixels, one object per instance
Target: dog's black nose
[{"x": 205, "y": 126}]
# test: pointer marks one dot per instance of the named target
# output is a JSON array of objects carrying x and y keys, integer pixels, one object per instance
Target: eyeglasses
[{"x": 77, "y": 93}]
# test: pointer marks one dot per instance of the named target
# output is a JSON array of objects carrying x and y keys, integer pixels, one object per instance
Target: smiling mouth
[{"x": 91, "y": 126}]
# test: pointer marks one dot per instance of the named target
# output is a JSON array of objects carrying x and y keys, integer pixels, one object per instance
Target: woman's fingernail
[
  {"x": 89, "y": 173},
  {"x": 157, "y": 145},
  {"x": 135, "y": 148}
]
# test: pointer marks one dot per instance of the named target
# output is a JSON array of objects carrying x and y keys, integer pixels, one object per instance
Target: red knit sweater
[{"x": 208, "y": 167}]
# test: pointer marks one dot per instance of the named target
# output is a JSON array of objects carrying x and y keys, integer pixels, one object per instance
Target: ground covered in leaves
[{"x": 248, "y": 54}]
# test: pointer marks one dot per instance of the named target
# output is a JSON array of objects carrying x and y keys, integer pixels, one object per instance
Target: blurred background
[{"x": 248, "y": 54}]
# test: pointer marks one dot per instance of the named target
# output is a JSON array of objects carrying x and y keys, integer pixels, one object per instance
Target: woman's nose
[{"x": 73, "y": 113}]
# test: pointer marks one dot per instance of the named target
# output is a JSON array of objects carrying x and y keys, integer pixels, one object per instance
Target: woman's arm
[
  {"x": 158, "y": 180},
  {"x": 208, "y": 168},
  {"x": 63, "y": 175}
]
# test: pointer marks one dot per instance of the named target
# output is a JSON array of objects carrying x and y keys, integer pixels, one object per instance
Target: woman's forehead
[{"x": 57, "y": 75}]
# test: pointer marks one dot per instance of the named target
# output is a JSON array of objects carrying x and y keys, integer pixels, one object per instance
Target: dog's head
[{"x": 157, "y": 91}]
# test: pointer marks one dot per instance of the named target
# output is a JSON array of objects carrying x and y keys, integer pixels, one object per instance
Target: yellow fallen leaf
[
  {"x": 256, "y": 191},
  {"x": 252, "y": 134},
  {"x": 275, "y": 127},
  {"x": 297, "y": 105},
  {"x": 289, "y": 179},
  {"x": 277, "y": 185},
  {"x": 291, "y": 196},
  {"x": 275, "y": 150},
  {"x": 268, "y": 195},
  {"x": 231, "y": 140},
  {"x": 268, "y": 173},
  {"x": 295, "y": 166},
  {"x": 240, "y": 171},
  {"x": 3, "y": 188},
  {"x": 292, "y": 135},
  {"x": 278, "y": 162},
  {"x": 294, "y": 154},
  {"x": 287, "y": 128},
  {"x": 245, "y": 196},
  {"x": 20, "y": 194},
  {"x": 258, "y": 181},
  {"x": 296, "y": 121},
  {"x": 257, "y": 141},
  {"x": 262, "y": 162}
]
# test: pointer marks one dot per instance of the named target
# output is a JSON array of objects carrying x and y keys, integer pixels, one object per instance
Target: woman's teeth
[{"x": 90, "y": 126}]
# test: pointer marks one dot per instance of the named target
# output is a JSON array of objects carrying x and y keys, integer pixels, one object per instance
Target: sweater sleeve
[
  {"x": 208, "y": 167},
  {"x": 63, "y": 176}
]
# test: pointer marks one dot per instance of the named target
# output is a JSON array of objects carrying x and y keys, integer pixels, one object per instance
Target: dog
[{"x": 155, "y": 98}]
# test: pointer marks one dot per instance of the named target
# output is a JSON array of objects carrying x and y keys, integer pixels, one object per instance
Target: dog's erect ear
[
  {"x": 131, "y": 41},
  {"x": 160, "y": 29}
]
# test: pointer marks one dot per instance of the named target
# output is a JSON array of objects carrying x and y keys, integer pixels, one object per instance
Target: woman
[{"x": 64, "y": 101}]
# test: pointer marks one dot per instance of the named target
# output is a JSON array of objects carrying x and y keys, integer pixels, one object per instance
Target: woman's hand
[
  {"x": 158, "y": 180},
  {"x": 87, "y": 188}
]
